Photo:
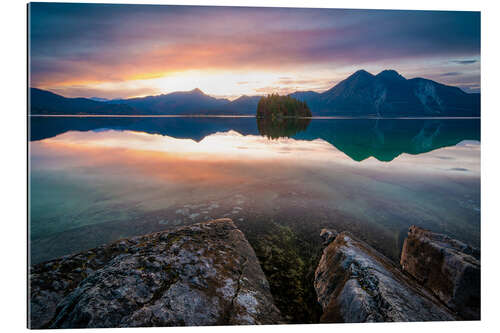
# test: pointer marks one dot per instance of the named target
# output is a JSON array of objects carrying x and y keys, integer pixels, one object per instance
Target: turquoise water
[{"x": 95, "y": 180}]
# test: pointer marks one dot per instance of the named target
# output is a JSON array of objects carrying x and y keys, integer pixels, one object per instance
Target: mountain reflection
[
  {"x": 386, "y": 139},
  {"x": 383, "y": 139},
  {"x": 275, "y": 128}
]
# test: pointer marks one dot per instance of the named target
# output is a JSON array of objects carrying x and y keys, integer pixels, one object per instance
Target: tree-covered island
[{"x": 276, "y": 106}]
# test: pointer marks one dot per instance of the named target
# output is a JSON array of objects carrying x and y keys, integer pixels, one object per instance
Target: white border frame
[{"x": 14, "y": 149}]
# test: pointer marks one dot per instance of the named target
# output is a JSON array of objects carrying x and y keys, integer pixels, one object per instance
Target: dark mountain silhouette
[
  {"x": 193, "y": 102},
  {"x": 181, "y": 103},
  {"x": 99, "y": 99},
  {"x": 46, "y": 102},
  {"x": 387, "y": 94},
  {"x": 244, "y": 105},
  {"x": 302, "y": 95}
]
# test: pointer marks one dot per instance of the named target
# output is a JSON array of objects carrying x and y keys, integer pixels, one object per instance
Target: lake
[{"x": 93, "y": 180}]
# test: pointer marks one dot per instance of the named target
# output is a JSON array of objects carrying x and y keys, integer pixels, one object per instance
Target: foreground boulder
[
  {"x": 354, "y": 283},
  {"x": 449, "y": 268},
  {"x": 204, "y": 274}
]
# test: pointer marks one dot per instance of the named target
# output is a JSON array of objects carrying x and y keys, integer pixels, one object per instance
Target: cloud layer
[{"x": 87, "y": 46}]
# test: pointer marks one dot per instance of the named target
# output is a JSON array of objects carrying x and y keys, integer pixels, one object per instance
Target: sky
[{"x": 123, "y": 51}]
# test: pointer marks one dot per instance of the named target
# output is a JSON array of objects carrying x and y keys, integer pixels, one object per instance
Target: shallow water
[{"x": 95, "y": 180}]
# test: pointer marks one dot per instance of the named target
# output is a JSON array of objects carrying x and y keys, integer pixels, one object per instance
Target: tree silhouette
[{"x": 276, "y": 106}]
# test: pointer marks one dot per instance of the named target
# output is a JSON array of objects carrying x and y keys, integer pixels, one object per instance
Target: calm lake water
[{"x": 95, "y": 180}]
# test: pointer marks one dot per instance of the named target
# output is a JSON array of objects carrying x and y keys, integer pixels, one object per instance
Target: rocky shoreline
[
  {"x": 447, "y": 267},
  {"x": 204, "y": 274},
  {"x": 209, "y": 274},
  {"x": 355, "y": 283}
]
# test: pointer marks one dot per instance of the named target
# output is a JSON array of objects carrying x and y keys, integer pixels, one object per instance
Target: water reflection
[
  {"x": 275, "y": 128},
  {"x": 384, "y": 139},
  {"x": 115, "y": 178},
  {"x": 177, "y": 127}
]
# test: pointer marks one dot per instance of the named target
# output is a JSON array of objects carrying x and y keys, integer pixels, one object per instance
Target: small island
[{"x": 276, "y": 106}]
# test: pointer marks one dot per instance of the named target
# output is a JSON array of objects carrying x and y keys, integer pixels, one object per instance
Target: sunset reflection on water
[{"x": 139, "y": 182}]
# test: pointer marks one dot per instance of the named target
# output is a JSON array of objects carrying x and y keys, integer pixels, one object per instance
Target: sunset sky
[{"x": 119, "y": 51}]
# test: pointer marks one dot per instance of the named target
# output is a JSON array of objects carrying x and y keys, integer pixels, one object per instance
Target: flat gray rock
[
  {"x": 354, "y": 283},
  {"x": 204, "y": 274}
]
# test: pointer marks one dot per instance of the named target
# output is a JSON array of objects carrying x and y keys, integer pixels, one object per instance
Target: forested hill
[{"x": 276, "y": 106}]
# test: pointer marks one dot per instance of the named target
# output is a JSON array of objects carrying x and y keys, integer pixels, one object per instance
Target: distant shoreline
[{"x": 226, "y": 116}]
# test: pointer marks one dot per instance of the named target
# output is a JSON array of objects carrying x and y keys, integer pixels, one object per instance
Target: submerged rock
[
  {"x": 448, "y": 267},
  {"x": 355, "y": 283},
  {"x": 204, "y": 274}
]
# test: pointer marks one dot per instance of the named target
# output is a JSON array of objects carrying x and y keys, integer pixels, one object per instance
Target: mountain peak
[
  {"x": 390, "y": 74},
  {"x": 197, "y": 91},
  {"x": 359, "y": 75},
  {"x": 361, "y": 72}
]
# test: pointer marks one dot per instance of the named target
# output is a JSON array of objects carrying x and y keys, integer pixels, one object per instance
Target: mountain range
[{"x": 387, "y": 94}]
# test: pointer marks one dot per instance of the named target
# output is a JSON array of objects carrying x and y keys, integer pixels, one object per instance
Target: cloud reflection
[{"x": 227, "y": 151}]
